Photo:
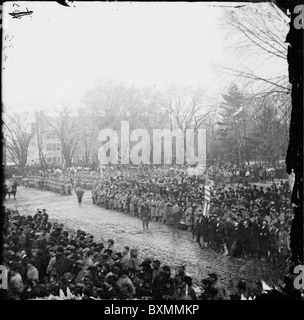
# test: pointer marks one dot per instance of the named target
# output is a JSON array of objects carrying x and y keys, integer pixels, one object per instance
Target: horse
[{"x": 11, "y": 190}]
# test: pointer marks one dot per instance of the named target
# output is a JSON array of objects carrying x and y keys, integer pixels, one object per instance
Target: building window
[
  {"x": 54, "y": 159},
  {"x": 51, "y": 136},
  {"x": 54, "y": 146},
  {"x": 58, "y": 146},
  {"x": 48, "y": 147},
  {"x": 49, "y": 160}
]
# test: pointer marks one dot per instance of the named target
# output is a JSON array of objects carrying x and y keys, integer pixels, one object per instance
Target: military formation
[{"x": 244, "y": 222}]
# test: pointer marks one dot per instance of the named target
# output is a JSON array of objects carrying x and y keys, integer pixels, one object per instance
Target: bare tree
[
  {"x": 186, "y": 108},
  {"x": 109, "y": 103},
  {"x": 18, "y": 133},
  {"x": 259, "y": 31},
  {"x": 66, "y": 128}
]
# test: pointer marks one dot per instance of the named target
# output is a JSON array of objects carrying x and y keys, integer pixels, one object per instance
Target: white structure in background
[{"x": 292, "y": 179}]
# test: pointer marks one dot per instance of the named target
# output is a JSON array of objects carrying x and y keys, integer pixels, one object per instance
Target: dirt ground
[{"x": 171, "y": 247}]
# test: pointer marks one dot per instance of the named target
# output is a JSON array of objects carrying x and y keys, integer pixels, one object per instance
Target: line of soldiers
[
  {"x": 147, "y": 206},
  {"x": 246, "y": 222},
  {"x": 45, "y": 184}
]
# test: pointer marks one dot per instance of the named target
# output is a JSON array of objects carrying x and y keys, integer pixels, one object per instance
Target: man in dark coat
[
  {"x": 145, "y": 214},
  {"x": 219, "y": 234},
  {"x": 163, "y": 285},
  {"x": 202, "y": 232},
  {"x": 254, "y": 245},
  {"x": 41, "y": 263},
  {"x": 245, "y": 239},
  {"x": 145, "y": 277},
  {"x": 62, "y": 264},
  {"x": 227, "y": 234},
  {"x": 235, "y": 245},
  {"x": 264, "y": 239},
  {"x": 211, "y": 232},
  {"x": 273, "y": 243}
]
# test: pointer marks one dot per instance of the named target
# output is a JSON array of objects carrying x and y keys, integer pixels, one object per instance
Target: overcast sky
[{"x": 58, "y": 52}]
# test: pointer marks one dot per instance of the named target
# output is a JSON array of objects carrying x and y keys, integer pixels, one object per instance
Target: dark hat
[
  {"x": 108, "y": 251},
  {"x": 213, "y": 275},
  {"x": 60, "y": 249},
  {"x": 148, "y": 260},
  {"x": 166, "y": 268},
  {"x": 188, "y": 280},
  {"x": 241, "y": 285},
  {"x": 145, "y": 263}
]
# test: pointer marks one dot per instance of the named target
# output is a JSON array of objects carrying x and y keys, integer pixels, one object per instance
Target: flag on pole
[
  {"x": 207, "y": 188},
  {"x": 207, "y": 193},
  {"x": 207, "y": 197},
  {"x": 206, "y": 209}
]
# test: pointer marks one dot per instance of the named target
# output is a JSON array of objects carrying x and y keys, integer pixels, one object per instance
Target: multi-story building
[{"x": 46, "y": 145}]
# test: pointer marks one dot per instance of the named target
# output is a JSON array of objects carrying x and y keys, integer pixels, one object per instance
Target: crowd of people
[
  {"x": 254, "y": 173},
  {"x": 248, "y": 222},
  {"x": 45, "y": 258},
  {"x": 244, "y": 221}
]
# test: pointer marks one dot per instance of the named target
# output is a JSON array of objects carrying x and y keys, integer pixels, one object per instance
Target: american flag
[
  {"x": 207, "y": 193},
  {"x": 207, "y": 197}
]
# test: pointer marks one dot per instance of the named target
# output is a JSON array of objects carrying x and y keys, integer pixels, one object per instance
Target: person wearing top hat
[
  {"x": 211, "y": 232},
  {"x": 273, "y": 243},
  {"x": 264, "y": 239},
  {"x": 246, "y": 238},
  {"x": 283, "y": 243},
  {"x": 202, "y": 236}
]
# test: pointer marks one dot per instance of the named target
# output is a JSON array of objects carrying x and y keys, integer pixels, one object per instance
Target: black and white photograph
[{"x": 152, "y": 151}]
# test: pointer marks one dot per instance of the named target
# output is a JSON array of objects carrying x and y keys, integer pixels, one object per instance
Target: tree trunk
[{"x": 294, "y": 158}]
